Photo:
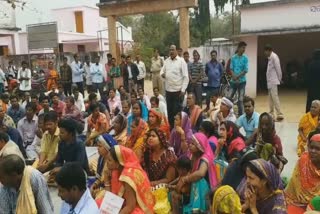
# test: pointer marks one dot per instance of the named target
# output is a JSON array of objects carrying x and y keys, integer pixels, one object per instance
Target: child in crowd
[{"x": 181, "y": 193}]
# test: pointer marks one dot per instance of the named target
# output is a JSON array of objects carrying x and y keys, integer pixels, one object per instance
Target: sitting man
[
  {"x": 78, "y": 98},
  {"x": 28, "y": 125},
  {"x": 72, "y": 111},
  {"x": 45, "y": 103},
  {"x": 7, "y": 147},
  {"x": 194, "y": 112},
  {"x": 126, "y": 108},
  {"x": 93, "y": 99},
  {"x": 49, "y": 142},
  {"x": 16, "y": 112},
  {"x": 71, "y": 148},
  {"x": 144, "y": 98},
  {"x": 24, "y": 188},
  {"x": 157, "y": 94},
  {"x": 58, "y": 105},
  {"x": 35, "y": 100},
  {"x": 33, "y": 151},
  {"x": 72, "y": 188},
  {"x": 249, "y": 121},
  {"x": 15, "y": 136},
  {"x": 6, "y": 119}
]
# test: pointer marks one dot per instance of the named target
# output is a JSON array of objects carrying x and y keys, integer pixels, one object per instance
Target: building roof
[
  {"x": 75, "y": 7},
  {"x": 273, "y": 3}
]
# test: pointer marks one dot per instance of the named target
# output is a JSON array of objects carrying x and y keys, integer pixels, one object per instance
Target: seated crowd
[{"x": 203, "y": 164}]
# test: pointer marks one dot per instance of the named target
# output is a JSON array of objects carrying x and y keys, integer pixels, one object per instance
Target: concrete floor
[{"x": 293, "y": 107}]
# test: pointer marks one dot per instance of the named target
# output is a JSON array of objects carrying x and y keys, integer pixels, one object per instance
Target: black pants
[
  {"x": 67, "y": 89},
  {"x": 80, "y": 87},
  {"x": 140, "y": 84},
  {"x": 174, "y": 105}
]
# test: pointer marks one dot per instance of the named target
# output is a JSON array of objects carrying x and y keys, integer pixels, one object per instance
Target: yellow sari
[
  {"x": 226, "y": 200},
  {"x": 307, "y": 124}
]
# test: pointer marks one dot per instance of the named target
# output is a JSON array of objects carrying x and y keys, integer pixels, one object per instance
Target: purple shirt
[{"x": 214, "y": 72}]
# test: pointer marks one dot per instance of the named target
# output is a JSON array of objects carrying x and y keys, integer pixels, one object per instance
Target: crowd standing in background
[{"x": 162, "y": 152}]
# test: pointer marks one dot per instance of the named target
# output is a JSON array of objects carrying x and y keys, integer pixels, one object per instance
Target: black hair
[
  {"x": 140, "y": 106},
  {"x": 247, "y": 99},
  {"x": 72, "y": 175},
  {"x": 215, "y": 94},
  {"x": 34, "y": 96},
  {"x": 45, "y": 98},
  {"x": 71, "y": 99},
  {"x": 209, "y": 128},
  {"x": 31, "y": 105},
  {"x": 268, "y": 47},
  {"x": 140, "y": 89},
  {"x": 126, "y": 101},
  {"x": 4, "y": 136},
  {"x": 109, "y": 55},
  {"x": 52, "y": 94},
  {"x": 94, "y": 106},
  {"x": 154, "y": 88},
  {"x": 268, "y": 137},
  {"x": 75, "y": 88},
  {"x": 184, "y": 163},
  {"x": 51, "y": 116},
  {"x": 213, "y": 51},
  {"x": 65, "y": 58},
  {"x": 113, "y": 154},
  {"x": 128, "y": 57},
  {"x": 112, "y": 89},
  {"x": 155, "y": 99},
  {"x": 242, "y": 44},
  {"x": 5, "y": 96},
  {"x": 92, "y": 96},
  {"x": 69, "y": 125},
  {"x": 11, "y": 164},
  {"x": 247, "y": 155},
  {"x": 123, "y": 56},
  {"x": 235, "y": 129},
  {"x": 75, "y": 55},
  {"x": 133, "y": 93},
  {"x": 184, "y": 53},
  {"x": 41, "y": 117},
  {"x": 24, "y": 63},
  {"x": 180, "y": 49},
  {"x": 14, "y": 97},
  {"x": 255, "y": 171}
]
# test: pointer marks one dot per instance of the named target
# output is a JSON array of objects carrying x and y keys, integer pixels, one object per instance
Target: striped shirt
[{"x": 196, "y": 70}]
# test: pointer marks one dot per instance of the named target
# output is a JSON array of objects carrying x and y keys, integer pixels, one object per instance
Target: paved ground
[{"x": 293, "y": 107}]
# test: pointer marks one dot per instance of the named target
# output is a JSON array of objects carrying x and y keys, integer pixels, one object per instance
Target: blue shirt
[
  {"x": 77, "y": 72},
  {"x": 248, "y": 125},
  {"x": 86, "y": 205},
  {"x": 97, "y": 73},
  {"x": 72, "y": 152},
  {"x": 214, "y": 72},
  {"x": 9, "y": 196},
  {"x": 16, "y": 114},
  {"x": 239, "y": 64}
]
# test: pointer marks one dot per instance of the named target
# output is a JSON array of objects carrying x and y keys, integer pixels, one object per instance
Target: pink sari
[{"x": 207, "y": 156}]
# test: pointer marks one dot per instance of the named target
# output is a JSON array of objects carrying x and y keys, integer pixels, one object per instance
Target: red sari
[
  {"x": 162, "y": 122},
  {"x": 133, "y": 175}
]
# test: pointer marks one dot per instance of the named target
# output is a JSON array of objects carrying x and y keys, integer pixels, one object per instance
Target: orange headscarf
[
  {"x": 162, "y": 124},
  {"x": 133, "y": 174}
]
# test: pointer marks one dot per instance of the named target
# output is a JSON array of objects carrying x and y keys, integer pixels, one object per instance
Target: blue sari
[{"x": 144, "y": 116}]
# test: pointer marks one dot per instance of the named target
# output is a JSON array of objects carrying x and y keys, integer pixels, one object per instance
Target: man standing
[
  {"x": 239, "y": 68},
  {"x": 274, "y": 78},
  {"x": 130, "y": 75},
  {"x": 72, "y": 188},
  {"x": 87, "y": 70},
  {"x": 196, "y": 74},
  {"x": 142, "y": 71},
  {"x": 66, "y": 76},
  {"x": 214, "y": 71},
  {"x": 24, "y": 188},
  {"x": 156, "y": 65},
  {"x": 97, "y": 74},
  {"x": 77, "y": 73},
  {"x": 108, "y": 67},
  {"x": 123, "y": 71},
  {"x": 175, "y": 73},
  {"x": 24, "y": 77}
]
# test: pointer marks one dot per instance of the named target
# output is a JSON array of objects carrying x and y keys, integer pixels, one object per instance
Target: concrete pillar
[
  {"x": 112, "y": 32},
  {"x": 184, "y": 29}
]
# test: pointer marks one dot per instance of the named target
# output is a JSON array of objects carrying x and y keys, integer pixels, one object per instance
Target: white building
[{"x": 291, "y": 27}]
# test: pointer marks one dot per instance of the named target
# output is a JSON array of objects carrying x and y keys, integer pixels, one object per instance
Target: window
[{"x": 79, "y": 21}]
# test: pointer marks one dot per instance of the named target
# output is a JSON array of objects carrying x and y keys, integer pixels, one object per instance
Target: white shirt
[
  {"x": 274, "y": 73},
  {"x": 97, "y": 73},
  {"x": 176, "y": 74},
  {"x": 142, "y": 70},
  {"x": 25, "y": 85},
  {"x": 80, "y": 102},
  {"x": 77, "y": 72},
  {"x": 163, "y": 108},
  {"x": 129, "y": 72},
  {"x": 146, "y": 101},
  {"x": 161, "y": 98},
  {"x": 88, "y": 74}
]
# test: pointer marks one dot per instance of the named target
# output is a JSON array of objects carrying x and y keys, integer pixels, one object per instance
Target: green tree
[{"x": 220, "y": 4}]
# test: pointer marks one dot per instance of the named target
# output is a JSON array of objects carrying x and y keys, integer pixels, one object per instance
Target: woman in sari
[
  {"x": 53, "y": 77},
  {"x": 136, "y": 139},
  {"x": 305, "y": 180},
  {"x": 115, "y": 74},
  {"x": 262, "y": 190},
  {"x": 194, "y": 112},
  {"x": 130, "y": 181},
  {"x": 231, "y": 141},
  {"x": 209, "y": 130},
  {"x": 268, "y": 143},
  {"x": 308, "y": 123},
  {"x": 159, "y": 159},
  {"x": 103, "y": 175},
  {"x": 181, "y": 134},
  {"x": 159, "y": 121},
  {"x": 120, "y": 129},
  {"x": 226, "y": 201},
  {"x": 203, "y": 177},
  {"x": 139, "y": 110}
]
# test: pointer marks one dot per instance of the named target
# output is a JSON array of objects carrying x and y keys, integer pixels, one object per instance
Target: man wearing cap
[{"x": 225, "y": 113}]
